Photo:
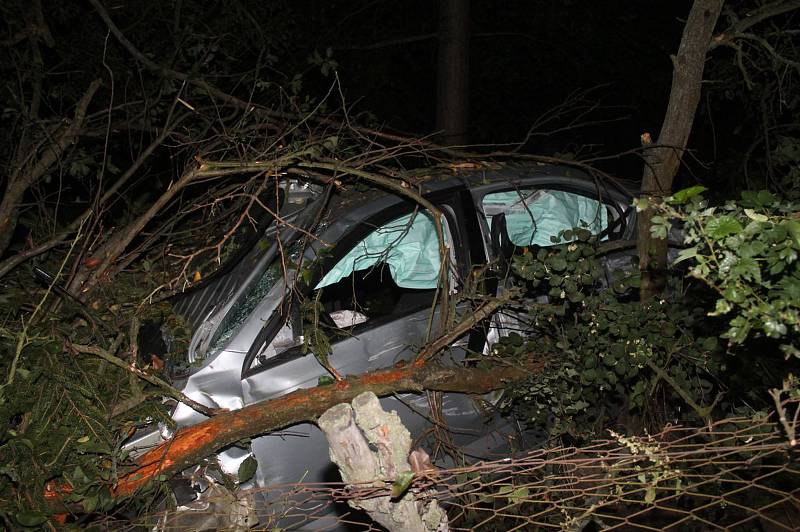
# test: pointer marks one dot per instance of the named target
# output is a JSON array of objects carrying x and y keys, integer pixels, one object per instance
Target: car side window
[
  {"x": 534, "y": 216},
  {"x": 392, "y": 272}
]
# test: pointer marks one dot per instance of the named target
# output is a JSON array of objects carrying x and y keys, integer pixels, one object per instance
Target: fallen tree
[{"x": 191, "y": 444}]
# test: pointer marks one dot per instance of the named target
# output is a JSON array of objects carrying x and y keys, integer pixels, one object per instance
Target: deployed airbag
[
  {"x": 408, "y": 245},
  {"x": 532, "y": 217}
]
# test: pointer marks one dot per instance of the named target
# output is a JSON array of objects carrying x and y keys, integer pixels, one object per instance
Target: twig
[
  {"x": 152, "y": 379},
  {"x": 781, "y": 411},
  {"x": 703, "y": 412},
  {"x": 477, "y": 316}
]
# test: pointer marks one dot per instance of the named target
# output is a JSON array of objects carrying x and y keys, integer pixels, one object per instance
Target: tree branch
[
  {"x": 152, "y": 379},
  {"x": 20, "y": 181},
  {"x": 766, "y": 11},
  {"x": 191, "y": 444}
]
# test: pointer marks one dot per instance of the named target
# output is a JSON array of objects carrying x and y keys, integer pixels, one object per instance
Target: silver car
[{"x": 364, "y": 265}]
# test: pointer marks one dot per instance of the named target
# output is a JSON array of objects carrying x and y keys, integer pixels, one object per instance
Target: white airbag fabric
[
  {"x": 408, "y": 245},
  {"x": 532, "y": 218}
]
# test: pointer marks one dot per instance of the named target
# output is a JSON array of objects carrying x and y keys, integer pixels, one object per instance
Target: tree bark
[
  {"x": 452, "y": 84},
  {"x": 370, "y": 445},
  {"x": 663, "y": 159}
]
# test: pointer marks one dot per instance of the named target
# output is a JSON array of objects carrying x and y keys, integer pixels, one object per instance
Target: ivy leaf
[
  {"x": 723, "y": 226},
  {"x": 247, "y": 469},
  {"x": 558, "y": 264}
]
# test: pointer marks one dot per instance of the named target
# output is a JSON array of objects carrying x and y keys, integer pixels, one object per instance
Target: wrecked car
[{"x": 364, "y": 266}]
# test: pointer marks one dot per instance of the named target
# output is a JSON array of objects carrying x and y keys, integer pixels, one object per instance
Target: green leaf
[
  {"x": 558, "y": 264},
  {"x": 723, "y": 226},
  {"x": 723, "y": 307},
  {"x": 30, "y": 518},
  {"x": 324, "y": 380},
  {"x": 401, "y": 483},
  {"x": 710, "y": 343},
  {"x": 793, "y": 228},
  {"x": 682, "y": 196},
  {"x": 686, "y": 254},
  {"x": 330, "y": 143},
  {"x": 641, "y": 204},
  {"x": 519, "y": 495},
  {"x": 650, "y": 494},
  {"x": 757, "y": 217},
  {"x": 89, "y": 503},
  {"x": 659, "y": 231},
  {"x": 247, "y": 469},
  {"x": 774, "y": 328}
]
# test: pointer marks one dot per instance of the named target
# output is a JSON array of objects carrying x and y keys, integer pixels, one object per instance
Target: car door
[{"x": 538, "y": 207}]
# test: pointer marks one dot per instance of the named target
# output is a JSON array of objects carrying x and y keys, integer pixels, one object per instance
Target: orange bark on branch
[{"x": 189, "y": 445}]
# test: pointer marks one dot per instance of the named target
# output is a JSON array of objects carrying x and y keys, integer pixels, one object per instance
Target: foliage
[
  {"x": 617, "y": 361},
  {"x": 747, "y": 252},
  {"x": 610, "y": 353},
  {"x": 64, "y": 414}
]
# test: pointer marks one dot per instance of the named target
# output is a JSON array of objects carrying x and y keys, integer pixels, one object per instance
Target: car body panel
[{"x": 262, "y": 358}]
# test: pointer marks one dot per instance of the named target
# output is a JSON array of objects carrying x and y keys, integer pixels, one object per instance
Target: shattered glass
[
  {"x": 250, "y": 299},
  {"x": 244, "y": 307}
]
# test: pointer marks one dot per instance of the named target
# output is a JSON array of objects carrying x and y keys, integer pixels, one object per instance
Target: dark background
[{"x": 606, "y": 64}]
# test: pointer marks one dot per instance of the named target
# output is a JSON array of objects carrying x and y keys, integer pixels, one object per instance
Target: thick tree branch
[{"x": 191, "y": 444}]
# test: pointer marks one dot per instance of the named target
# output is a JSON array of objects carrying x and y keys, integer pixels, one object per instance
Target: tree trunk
[
  {"x": 370, "y": 445},
  {"x": 452, "y": 84},
  {"x": 663, "y": 159}
]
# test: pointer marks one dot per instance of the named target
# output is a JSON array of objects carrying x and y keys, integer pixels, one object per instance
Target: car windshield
[
  {"x": 284, "y": 259},
  {"x": 244, "y": 306}
]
